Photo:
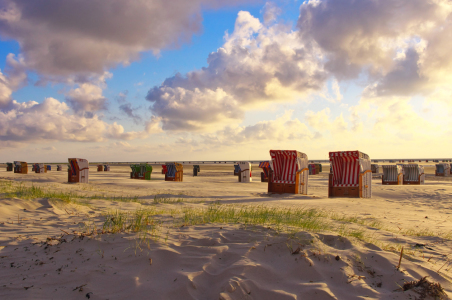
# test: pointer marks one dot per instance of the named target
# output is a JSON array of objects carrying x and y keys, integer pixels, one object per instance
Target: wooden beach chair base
[
  {"x": 281, "y": 188},
  {"x": 418, "y": 182}
]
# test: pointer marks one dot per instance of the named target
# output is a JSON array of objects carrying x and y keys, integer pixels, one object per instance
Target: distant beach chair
[
  {"x": 413, "y": 174},
  {"x": 100, "y": 168},
  {"x": 49, "y": 167},
  {"x": 351, "y": 175},
  {"x": 164, "y": 169},
  {"x": 442, "y": 170},
  {"x": 196, "y": 170},
  {"x": 20, "y": 167},
  {"x": 106, "y": 168},
  {"x": 141, "y": 171},
  {"x": 318, "y": 168},
  {"x": 245, "y": 172},
  {"x": 59, "y": 167},
  {"x": 78, "y": 170},
  {"x": 175, "y": 172},
  {"x": 289, "y": 173},
  {"x": 311, "y": 168},
  {"x": 9, "y": 167},
  {"x": 236, "y": 170},
  {"x": 133, "y": 172},
  {"x": 265, "y": 166},
  {"x": 40, "y": 168},
  {"x": 392, "y": 175},
  {"x": 375, "y": 168}
]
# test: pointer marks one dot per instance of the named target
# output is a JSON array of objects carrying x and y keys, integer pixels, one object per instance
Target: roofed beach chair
[
  {"x": 375, "y": 168},
  {"x": 175, "y": 172},
  {"x": 196, "y": 170},
  {"x": 413, "y": 174},
  {"x": 100, "y": 168},
  {"x": 59, "y": 167},
  {"x": 311, "y": 168},
  {"x": 145, "y": 171},
  {"x": 236, "y": 170},
  {"x": 392, "y": 175},
  {"x": 351, "y": 175},
  {"x": 40, "y": 168},
  {"x": 164, "y": 169},
  {"x": 245, "y": 171},
  {"x": 265, "y": 166},
  {"x": 442, "y": 170},
  {"x": 289, "y": 173},
  {"x": 20, "y": 167},
  {"x": 78, "y": 170},
  {"x": 106, "y": 168},
  {"x": 9, "y": 167},
  {"x": 318, "y": 168},
  {"x": 132, "y": 173}
]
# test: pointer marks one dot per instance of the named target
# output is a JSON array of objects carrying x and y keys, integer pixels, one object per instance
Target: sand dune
[{"x": 52, "y": 249}]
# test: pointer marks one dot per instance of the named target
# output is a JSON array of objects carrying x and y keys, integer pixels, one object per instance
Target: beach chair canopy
[
  {"x": 286, "y": 163},
  {"x": 391, "y": 172},
  {"x": 77, "y": 164},
  {"x": 346, "y": 167}
]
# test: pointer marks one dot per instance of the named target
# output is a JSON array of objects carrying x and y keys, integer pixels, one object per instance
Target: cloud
[
  {"x": 271, "y": 12},
  {"x": 282, "y": 129},
  {"x": 61, "y": 39},
  {"x": 400, "y": 45},
  {"x": 51, "y": 148},
  {"x": 87, "y": 97},
  {"x": 14, "y": 78},
  {"x": 50, "y": 120},
  {"x": 256, "y": 65},
  {"x": 128, "y": 110}
]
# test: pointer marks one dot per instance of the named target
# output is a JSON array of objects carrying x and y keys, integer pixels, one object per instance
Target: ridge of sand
[{"x": 41, "y": 257}]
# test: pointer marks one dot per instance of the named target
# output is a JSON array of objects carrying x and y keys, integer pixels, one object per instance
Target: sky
[{"x": 177, "y": 80}]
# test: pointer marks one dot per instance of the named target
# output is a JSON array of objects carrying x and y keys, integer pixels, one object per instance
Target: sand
[{"x": 49, "y": 251}]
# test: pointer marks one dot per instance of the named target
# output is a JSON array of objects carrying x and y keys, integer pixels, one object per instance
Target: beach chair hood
[{"x": 286, "y": 163}]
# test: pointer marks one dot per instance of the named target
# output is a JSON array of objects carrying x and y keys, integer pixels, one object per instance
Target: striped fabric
[
  {"x": 265, "y": 165},
  {"x": 285, "y": 165},
  {"x": 345, "y": 168},
  {"x": 391, "y": 172},
  {"x": 171, "y": 169},
  {"x": 411, "y": 172}
]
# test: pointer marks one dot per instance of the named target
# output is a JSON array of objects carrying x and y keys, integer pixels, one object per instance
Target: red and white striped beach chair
[
  {"x": 245, "y": 171},
  {"x": 289, "y": 172},
  {"x": 351, "y": 175}
]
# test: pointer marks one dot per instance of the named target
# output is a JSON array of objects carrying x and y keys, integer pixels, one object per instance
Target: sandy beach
[{"x": 211, "y": 237}]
